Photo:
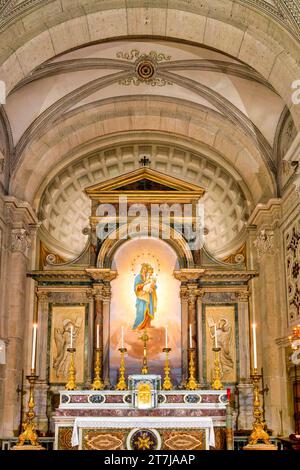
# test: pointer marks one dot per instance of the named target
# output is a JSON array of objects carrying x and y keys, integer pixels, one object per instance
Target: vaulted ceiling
[{"x": 204, "y": 91}]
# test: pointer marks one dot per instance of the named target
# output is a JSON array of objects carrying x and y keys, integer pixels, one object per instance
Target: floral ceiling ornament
[
  {"x": 264, "y": 243},
  {"x": 145, "y": 67}
]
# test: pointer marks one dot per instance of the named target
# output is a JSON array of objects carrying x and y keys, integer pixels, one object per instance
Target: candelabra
[
  {"x": 217, "y": 384},
  {"x": 97, "y": 383},
  {"x": 191, "y": 383},
  {"x": 167, "y": 384},
  {"x": 71, "y": 384},
  {"x": 29, "y": 430},
  {"x": 259, "y": 432},
  {"x": 121, "y": 385},
  {"x": 145, "y": 338}
]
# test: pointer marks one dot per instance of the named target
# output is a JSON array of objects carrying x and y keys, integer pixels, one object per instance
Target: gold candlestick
[
  {"x": 191, "y": 383},
  {"x": 145, "y": 338},
  {"x": 259, "y": 432},
  {"x": 121, "y": 385},
  {"x": 97, "y": 383},
  {"x": 29, "y": 430},
  {"x": 167, "y": 385},
  {"x": 71, "y": 384},
  {"x": 217, "y": 384}
]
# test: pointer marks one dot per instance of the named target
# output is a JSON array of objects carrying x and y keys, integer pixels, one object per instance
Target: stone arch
[{"x": 110, "y": 246}]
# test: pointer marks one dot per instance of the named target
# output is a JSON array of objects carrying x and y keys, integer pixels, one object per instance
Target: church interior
[{"x": 150, "y": 225}]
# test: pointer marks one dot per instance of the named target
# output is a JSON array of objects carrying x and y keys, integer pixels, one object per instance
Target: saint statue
[{"x": 146, "y": 299}]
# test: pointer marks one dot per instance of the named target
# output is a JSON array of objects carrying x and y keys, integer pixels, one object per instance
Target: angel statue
[
  {"x": 62, "y": 338},
  {"x": 224, "y": 338}
]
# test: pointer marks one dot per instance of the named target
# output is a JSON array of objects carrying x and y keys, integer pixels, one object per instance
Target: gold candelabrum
[
  {"x": 145, "y": 338},
  {"x": 259, "y": 432},
  {"x": 121, "y": 385},
  {"x": 29, "y": 429},
  {"x": 217, "y": 384},
  {"x": 167, "y": 384},
  {"x": 71, "y": 384},
  {"x": 191, "y": 383},
  {"x": 97, "y": 383}
]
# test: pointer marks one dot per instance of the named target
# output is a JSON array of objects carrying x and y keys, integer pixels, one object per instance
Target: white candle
[
  {"x": 98, "y": 338},
  {"x": 166, "y": 336},
  {"x": 191, "y": 341},
  {"x": 254, "y": 346},
  {"x": 71, "y": 337},
  {"x": 122, "y": 337},
  {"x": 216, "y": 338},
  {"x": 34, "y": 338}
]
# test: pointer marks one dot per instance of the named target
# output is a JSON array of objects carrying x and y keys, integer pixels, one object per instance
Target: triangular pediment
[{"x": 146, "y": 180}]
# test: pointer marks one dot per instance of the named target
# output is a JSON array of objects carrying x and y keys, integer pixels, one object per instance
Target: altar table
[{"x": 108, "y": 420}]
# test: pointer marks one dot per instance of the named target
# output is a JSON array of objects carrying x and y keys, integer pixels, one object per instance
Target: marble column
[
  {"x": 106, "y": 332},
  {"x": 98, "y": 318},
  {"x": 184, "y": 337},
  {"x": 90, "y": 352},
  {"x": 192, "y": 322},
  {"x": 269, "y": 308},
  {"x": 41, "y": 388},
  {"x": 244, "y": 387},
  {"x": 244, "y": 335},
  {"x": 200, "y": 334},
  {"x": 16, "y": 326}
]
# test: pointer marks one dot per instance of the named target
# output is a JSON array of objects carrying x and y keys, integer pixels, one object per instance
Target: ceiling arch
[
  {"x": 79, "y": 130},
  {"x": 229, "y": 27}
]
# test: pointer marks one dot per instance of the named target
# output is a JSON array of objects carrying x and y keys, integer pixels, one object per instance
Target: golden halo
[{"x": 145, "y": 257}]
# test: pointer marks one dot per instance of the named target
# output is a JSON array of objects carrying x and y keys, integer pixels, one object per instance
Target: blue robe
[{"x": 145, "y": 303}]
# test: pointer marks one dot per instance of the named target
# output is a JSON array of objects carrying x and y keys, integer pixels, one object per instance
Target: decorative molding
[
  {"x": 267, "y": 215},
  {"x": 185, "y": 275},
  {"x": 102, "y": 274},
  {"x": 135, "y": 55}
]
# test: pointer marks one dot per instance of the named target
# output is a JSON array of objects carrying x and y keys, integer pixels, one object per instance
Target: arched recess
[
  {"x": 118, "y": 237},
  {"x": 127, "y": 261}
]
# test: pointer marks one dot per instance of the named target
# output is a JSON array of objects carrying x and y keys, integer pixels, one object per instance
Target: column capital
[
  {"x": 97, "y": 291},
  {"x": 264, "y": 243},
  {"x": 43, "y": 296},
  {"x": 243, "y": 296},
  {"x": 20, "y": 240}
]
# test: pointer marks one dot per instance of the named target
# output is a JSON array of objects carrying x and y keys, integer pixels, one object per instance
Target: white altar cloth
[{"x": 145, "y": 422}]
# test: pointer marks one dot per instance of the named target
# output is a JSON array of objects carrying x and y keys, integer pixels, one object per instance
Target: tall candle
[
  {"x": 98, "y": 337},
  {"x": 122, "y": 337},
  {"x": 34, "y": 338},
  {"x": 191, "y": 342},
  {"x": 254, "y": 346},
  {"x": 71, "y": 337},
  {"x": 216, "y": 338},
  {"x": 166, "y": 336}
]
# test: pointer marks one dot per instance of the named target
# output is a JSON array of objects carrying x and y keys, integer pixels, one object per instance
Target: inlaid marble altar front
[{"x": 107, "y": 419}]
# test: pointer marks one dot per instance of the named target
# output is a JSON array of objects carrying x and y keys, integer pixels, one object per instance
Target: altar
[
  {"x": 107, "y": 420},
  {"x": 155, "y": 312}
]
